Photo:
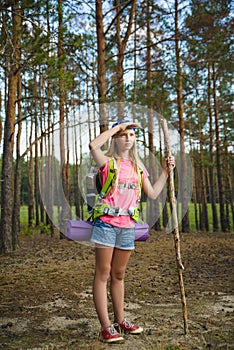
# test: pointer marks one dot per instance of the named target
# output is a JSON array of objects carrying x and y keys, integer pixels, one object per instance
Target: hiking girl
[{"x": 113, "y": 228}]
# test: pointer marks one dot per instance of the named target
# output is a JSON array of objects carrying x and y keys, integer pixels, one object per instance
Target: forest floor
[{"x": 46, "y": 295}]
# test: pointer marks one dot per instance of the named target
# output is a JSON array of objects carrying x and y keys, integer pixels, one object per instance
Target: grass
[
  {"x": 210, "y": 217},
  {"x": 44, "y": 228}
]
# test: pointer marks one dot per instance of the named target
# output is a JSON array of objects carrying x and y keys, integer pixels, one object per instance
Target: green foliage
[
  {"x": 27, "y": 231},
  {"x": 44, "y": 228},
  {"x": 30, "y": 230}
]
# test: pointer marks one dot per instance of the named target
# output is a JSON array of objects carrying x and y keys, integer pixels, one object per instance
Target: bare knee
[
  {"x": 117, "y": 274},
  {"x": 103, "y": 273}
]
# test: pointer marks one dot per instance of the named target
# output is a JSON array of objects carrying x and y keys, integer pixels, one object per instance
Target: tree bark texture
[
  {"x": 7, "y": 194},
  {"x": 18, "y": 172},
  {"x": 65, "y": 214},
  {"x": 153, "y": 205},
  {"x": 223, "y": 220},
  {"x": 211, "y": 151},
  {"x": 185, "y": 218},
  {"x": 175, "y": 226},
  {"x": 101, "y": 69}
]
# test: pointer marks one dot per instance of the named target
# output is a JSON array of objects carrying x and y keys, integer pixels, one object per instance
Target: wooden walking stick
[{"x": 175, "y": 228}]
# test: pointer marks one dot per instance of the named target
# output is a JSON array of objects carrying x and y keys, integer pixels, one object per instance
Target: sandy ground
[{"x": 46, "y": 295}]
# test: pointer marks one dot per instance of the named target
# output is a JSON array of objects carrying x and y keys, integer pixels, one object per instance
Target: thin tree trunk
[
  {"x": 7, "y": 194},
  {"x": 18, "y": 173},
  {"x": 65, "y": 215},
  {"x": 164, "y": 191},
  {"x": 42, "y": 211},
  {"x": 68, "y": 170},
  {"x": 135, "y": 66},
  {"x": 185, "y": 217},
  {"x": 75, "y": 154},
  {"x": 101, "y": 70},
  {"x": 153, "y": 211},
  {"x": 49, "y": 140},
  {"x": 80, "y": 175},
  {"x": 30, "y": 181},
  {"x": 229, "y": 190},
  {"x": 175, "y": 227},
  {"x": 211, "y": 152},
  {"x": 53, "y": 181},
  {"x": 227, "y": 172},
  {"x": 223, "y": 220},
  {"x": 76, "y": 178},
  {"x": 204, "y": 213},
  {"x": 36, "y": 169},
  {"x": 195, "y": 195}
]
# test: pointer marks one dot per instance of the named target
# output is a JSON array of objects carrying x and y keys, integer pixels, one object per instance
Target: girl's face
[{"x": 125, "y": 140}]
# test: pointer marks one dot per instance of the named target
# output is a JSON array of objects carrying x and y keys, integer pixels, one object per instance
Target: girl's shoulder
[{"x": 142, "y": 167}]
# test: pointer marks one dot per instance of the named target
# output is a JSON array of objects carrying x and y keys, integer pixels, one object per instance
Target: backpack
[
  {"x": 95, "y": 190},
  {"x": 93, "y": 187},
  {"x": 94, "y": 183}
]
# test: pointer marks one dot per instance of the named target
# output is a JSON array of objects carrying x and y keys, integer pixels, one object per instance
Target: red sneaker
[
  {"x": 110, "y": 335},
  {"x": 128, "y": 327}
]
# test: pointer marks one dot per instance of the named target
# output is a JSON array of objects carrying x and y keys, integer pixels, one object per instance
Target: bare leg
[
  {"x": 118, "y": 267},
  {"x": 102, "y": 273}
]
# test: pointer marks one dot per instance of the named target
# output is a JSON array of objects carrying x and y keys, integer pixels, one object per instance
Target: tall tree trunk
[
  {"x": 195, "y": 194},
  {"x": 7, "y": 194},
  {"x": 49, "y": 127},
  {"x": 101, "y": 70},
  {"x": 223, "y": 219},
  {"x": 135, "y": 67},
  {"x": 65, "y": 215},
  {"x": 165, "y": 217},
  {"x": 75, "y": 153},
  {"x": 76, "y": 176},
  {"x": 42, "y": 211},
  {"x": 36, "y": 175},
  {"x": 229, "y": 190},
  {"x": 53, "y": 176},
  {"x": 42, "y": 141},
  {"x": 227, "y": 176},
  {"x": 18, "y": 171},
  {"x": 153, "y": 212},
  {"x": 68, "y": 183},
  {"x": 204, "y": 212},
  {"x": 30, "y": 180},
  {"x": 36, "y": 167},
  {"x": 183, "y": 177},
  {"x": 81, "y": 175},
  {"x": 211, "y": 152}
]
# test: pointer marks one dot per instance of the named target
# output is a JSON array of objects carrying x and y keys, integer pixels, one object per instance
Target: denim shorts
[{"x": 112, "y": 236}]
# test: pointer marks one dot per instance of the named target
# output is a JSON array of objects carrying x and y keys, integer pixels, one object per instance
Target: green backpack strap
[
  {"x": 111, "y": 176},
  {"x": 140, "y": 171},
  {"x": 140, "y": 174},
  {"x": 99, "y": 208}
]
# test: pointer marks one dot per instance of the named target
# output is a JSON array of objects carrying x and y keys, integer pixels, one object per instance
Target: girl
[{"x": 114, "y": 230}]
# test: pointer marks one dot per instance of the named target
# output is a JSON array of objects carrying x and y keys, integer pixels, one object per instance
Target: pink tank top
[{"x": 125, "y": 195}]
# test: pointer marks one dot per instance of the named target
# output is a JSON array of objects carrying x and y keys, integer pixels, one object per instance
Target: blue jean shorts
[{"x": 112, "y": 236}]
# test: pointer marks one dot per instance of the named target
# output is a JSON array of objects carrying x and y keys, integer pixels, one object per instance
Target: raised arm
[
  {"x": 96, "y": 144},
  {"x": 153, "y": 191}
]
